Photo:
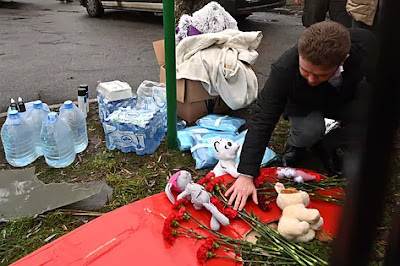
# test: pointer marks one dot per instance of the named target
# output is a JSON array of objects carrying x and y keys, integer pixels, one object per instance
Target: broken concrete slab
[
  {"x": 22, "y": 194},
  {"x": 95, "y": 202}
]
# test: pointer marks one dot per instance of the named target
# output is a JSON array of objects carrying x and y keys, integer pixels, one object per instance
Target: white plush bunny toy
[{"x": 297, "y": 223}]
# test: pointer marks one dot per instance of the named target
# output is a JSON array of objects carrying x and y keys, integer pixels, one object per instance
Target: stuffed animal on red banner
[{"x": 182, "y": 182}]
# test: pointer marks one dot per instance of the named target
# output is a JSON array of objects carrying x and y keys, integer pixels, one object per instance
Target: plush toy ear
[
  {"x": 169, "y": 193},
  {"x": 215, "y": 145},
  {"x": 279, "y": 187}
]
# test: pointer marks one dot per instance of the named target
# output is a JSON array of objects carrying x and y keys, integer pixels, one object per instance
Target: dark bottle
[
  {"x": 13, "y": 105},
  {"x": 21, "y": 105},
  {"x": 86, "y": 87}
]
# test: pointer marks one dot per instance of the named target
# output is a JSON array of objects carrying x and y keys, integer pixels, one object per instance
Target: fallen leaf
[
  {"x": 151, "y": 165},
  {"x": 63, "y": 226},
  {"x": 252, "y": 236},
  {"x": 50, "y": 238},
  {"x": 323, "y": 236}
]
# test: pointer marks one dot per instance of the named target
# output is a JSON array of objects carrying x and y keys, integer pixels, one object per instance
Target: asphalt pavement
[{"x": 48, "y": 48}]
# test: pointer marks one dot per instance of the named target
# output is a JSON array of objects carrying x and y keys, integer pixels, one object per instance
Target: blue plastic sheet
[
  {"x": 203, "y": 151},
  {"x": 189, "y": 136},
  {"x": 268, "y": 155},
  {"x": 221, "y": 122}
]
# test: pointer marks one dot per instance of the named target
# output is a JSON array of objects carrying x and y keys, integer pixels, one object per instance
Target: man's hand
[{"x": 240, "y": 190}]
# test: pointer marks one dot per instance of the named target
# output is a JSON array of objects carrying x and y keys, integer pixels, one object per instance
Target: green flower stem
[
  {"x": 277, "y": 243},
  {"x": 280, "y": 244},
  {"x": 255, "y": 261},
  {"x": 223, "y": 197},
  {"x": 291, "y": 248},
  {"x": 187, "y": 234},
  {"x": 326, "y": 198},
  {"x": 228, "y": 240},
  {"x": 198, "y": 236},
  {"x": 258, "y": 254}
]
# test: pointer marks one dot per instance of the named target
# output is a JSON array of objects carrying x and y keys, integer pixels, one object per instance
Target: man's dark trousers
[
  {"x": 315, "y": 11},
  {"x": 308, "y": 130}
]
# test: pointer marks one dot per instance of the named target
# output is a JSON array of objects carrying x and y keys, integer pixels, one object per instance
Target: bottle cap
[
  {"x": 52, "y": 117},
  {"x": 19, "y": 99},
  {"x": 81, "y": 92},
  {"x": 13, "y": 113},
  {"x": 68, "y": 104},
  {"x": 12, "y": 100},
  {"x": 37, "y": 104},
  {"x": 84, "y": 86}
]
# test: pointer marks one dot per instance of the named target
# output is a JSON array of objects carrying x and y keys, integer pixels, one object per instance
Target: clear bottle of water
[
  {"x": 77, "y": 122},
  {"x": 35, "y": 118},
  {"x": 17, "y": 141},
  {"x": 57, "y": 142}
]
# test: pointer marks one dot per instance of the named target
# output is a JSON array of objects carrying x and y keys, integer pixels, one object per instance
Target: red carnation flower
[
  {"x": 206, "y": 179},
  {"x": 209, "y": 243},
  {"x": 181, "y": 214},
  {"x": 230, "y": 213},
  {"x": 214, "y": 182},
  {"x": 167, "y": 229},
  {"x": 263, "y": 204},
  {"x": 217, "y": 203},
  {"x": 204, "y": 251},
  {"x": 202, "y": 255},
  {"x": 259, "y": 180},
  {"x": 178, "y": 204}
]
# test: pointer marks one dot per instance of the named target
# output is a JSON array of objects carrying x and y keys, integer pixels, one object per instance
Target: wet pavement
[{"x": 48, "y": 48}]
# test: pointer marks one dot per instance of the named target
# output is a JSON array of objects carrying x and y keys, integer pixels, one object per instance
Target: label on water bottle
[
  {"x": 81, "y": 131},
  {"x": 126, "y": 139}
]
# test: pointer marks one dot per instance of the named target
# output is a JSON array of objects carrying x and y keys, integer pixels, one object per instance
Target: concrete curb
[{"x": 286, "y": 11}]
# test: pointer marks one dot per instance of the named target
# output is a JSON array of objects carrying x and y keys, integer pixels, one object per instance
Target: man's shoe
[
  {"x": 329, "y": 159},
  {"x": 292, "y": 156}
]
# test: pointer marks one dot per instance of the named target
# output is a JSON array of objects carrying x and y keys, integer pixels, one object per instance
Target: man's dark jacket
[{"x": 287, "y": 92}]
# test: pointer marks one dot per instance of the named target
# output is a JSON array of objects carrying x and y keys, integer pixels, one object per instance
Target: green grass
[
  {"x": 133, "y": 178},
  {"x": 21, "y": 237}
]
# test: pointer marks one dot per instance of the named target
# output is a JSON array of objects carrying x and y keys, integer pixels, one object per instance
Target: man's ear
[
  {"x": 347, "y": 56},
  {"x": 215, "y": 145}
]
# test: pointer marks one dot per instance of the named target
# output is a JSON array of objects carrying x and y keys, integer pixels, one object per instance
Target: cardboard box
[{"x": 193, "y": 101}]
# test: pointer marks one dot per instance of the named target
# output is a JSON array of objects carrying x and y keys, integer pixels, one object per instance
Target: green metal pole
[{"x": 169, "y": 46}]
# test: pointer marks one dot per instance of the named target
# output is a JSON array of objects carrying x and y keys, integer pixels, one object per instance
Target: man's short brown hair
[{"x": 325, "y": 44}]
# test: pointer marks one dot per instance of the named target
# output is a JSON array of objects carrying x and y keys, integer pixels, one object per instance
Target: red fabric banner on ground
[{"x": 131, "y": 235}]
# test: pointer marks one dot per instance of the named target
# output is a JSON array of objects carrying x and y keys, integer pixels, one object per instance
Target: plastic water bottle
[
  {"x": 17, "y": 142},
  {"x": 35, "y": 118},
  {"x": 77, "y": 122},
  {"x": 57, "y": 142}
]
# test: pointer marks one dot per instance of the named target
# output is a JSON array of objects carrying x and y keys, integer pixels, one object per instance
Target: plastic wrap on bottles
[
  {"x": 181, "y": 125},
  {"x": 106, "y": 107},
  {"x": 221, "y": 122},
  {"x": 152, "y": 96},
  {"x": 268, "y": 154},
  {"x": 115, "y": 90},
  {"x": 188, "y": 137},
  {"x": 203, "y": 151},
  {"x": 134, "y": 130}
]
